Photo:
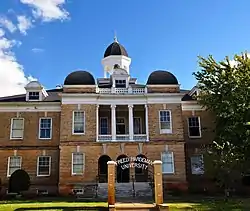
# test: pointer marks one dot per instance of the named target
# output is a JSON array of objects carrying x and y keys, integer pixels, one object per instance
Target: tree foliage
[{"x": 225, "y": 91}]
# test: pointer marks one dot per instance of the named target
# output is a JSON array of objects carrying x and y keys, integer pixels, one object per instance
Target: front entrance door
[
  {"x": 141, "y": 174},
  {"x": 103, "y": 168},
  {"x": 122, "y": 170}
]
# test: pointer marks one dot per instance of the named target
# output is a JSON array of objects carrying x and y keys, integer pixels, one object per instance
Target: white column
[
  {"x": 146, "y": 121},
  {"x": 131, "y": 122},
  {"x": 113, "y": 122},
  {"x": 97, "y": 122}
]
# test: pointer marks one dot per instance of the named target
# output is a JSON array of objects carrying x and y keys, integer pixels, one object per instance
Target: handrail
[
  {"x": 133, "y": 185},
  {"x": 96, "y": 186}
]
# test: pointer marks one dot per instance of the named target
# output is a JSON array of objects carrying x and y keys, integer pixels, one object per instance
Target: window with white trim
[
  {"x": 194, "y": 128},
  {"x": 197, "y": 164},
  {"x": 14, "y": 163},
  {"x": 43, "y": 165},
  {"x": 103, "y": 125},
  {"x": 78, "y": 122},
  {"x": 34, "y": 96},
  {"x": 17, "y": 128},
  {"x": 78, "y": 163},
  {"x": 165, "y": 121},
  {"x": 167, "y": 159},
  {"x": 45, "y": 128}
]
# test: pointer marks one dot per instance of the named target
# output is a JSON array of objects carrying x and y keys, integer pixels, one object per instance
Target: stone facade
[
  {"x": 116, "y": 118},
  {"x": 63, "y": 143}
]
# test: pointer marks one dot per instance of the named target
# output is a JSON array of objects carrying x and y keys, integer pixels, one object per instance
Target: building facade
[{"x": 64, "y": 137}]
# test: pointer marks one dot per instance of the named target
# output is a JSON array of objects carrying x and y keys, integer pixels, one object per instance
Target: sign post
[
  {"x": 158, "y": 182},
  {"x": 111, "y": 182}
]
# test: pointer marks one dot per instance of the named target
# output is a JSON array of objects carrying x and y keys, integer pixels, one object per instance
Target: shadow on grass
[
  {"x": 217, "y": 206},
  {"x": 52, "y": 200},
  {"x": 65, "y": 208}
]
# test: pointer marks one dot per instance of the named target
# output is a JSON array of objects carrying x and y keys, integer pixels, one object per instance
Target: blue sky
[{"x": 163, "y": 34}]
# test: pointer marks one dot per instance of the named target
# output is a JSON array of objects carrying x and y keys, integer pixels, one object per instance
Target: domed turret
[
  {"x": 162, "y": 77},
  {"x": 79, "y": 77},
  {"x": 115, "y": 49}
]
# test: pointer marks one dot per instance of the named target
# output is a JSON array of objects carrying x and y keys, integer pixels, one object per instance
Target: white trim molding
[
  {"x": 108, "y": 99},
  {"x": 165, "y": 131},
  {"x": 73, "y": 120},
  {"x": 199, "y": 121},
  {"x": 192, "y": 105},
  {"x": 51, "y": 126},
  {"x": 30, "y": 107},
  {"x": 79, "y": 86},
  {"x": 37, "y": 166},
  {"x": 8, "y": 168},
  {"x": 11, "y": 128},
  {"x": 172, "y": 162},
  {"x": 72, "y": 163}
]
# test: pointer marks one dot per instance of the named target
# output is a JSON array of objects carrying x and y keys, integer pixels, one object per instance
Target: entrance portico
[{"x": 122, "y": 123}]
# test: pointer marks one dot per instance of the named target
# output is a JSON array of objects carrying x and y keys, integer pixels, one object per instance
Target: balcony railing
[
  {"x": 121, "y": 90},
  {"x": 125, "y": 137}
]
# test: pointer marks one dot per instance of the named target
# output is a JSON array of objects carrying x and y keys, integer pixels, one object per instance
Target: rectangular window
[
  {"x": 194, "y": 129},
  {"x": 167, "y": 162},
  {"x": 120, "y": 126},
  {"x": 14, "y": 163},
  {"x": 120, "y": 83},
  {"x": 104, "y": 125},
  {"x": 43, "y": 165},
  {"x": 165, "y": 121},
  {"x": 17, "y": 128},
  {"x": 45, "y": 128},
  {"x": 78, "y": 122},
  {"x": 137, "y": 125},
  {"x": 33, "y": 95},
  {"x": 197, "y": 164},
  {"x": 78, "y": 161}
]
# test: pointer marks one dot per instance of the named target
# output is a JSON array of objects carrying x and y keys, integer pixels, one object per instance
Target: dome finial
[{"x": 115, "y": 37}]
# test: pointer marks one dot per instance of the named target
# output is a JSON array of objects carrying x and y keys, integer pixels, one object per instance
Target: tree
[{"x": 225, "y": 91}]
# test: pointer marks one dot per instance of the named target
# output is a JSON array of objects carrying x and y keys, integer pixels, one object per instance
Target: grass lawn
[{"x": 206, "y": 205}]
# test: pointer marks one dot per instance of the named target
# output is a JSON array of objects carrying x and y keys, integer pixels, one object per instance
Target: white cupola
[{"x": 115, "y": 55}]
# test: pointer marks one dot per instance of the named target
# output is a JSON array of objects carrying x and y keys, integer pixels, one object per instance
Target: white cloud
[
  {"x": 37, "y": 50},
  {"x": 6, "y": 23},
  {"x": 47, "y": 10},
  {"x": 2, "y": 33},
  {"x": 24, "y": 24},
  {"x": 12, "y": 77}
]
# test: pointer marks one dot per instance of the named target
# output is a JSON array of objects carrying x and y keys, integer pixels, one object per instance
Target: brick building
[{"x": 64, "y": 137}]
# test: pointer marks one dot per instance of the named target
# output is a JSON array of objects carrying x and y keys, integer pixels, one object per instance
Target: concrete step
[
  {"x": 141, "y": 189},
  {"x": 133, "y": 206}
]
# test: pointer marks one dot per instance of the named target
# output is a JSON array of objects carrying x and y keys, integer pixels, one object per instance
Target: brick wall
[
  {"x": 31, "y": 129},
  {"x": 80, "y": 90},
  {"x": 162, "y": 89},
  {"x": 29, "y": 164},
  {"x": 66, "y": 123},
  {"x": 154, "y": 126},
  {"x": 93, "y": 151},
  {"x": 207, "y": 126},
  {"x": 194, "y": 146}
]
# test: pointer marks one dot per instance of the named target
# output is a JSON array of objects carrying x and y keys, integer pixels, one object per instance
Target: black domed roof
[
  {"x": 115, "y": 49},
  {"x": 79, "y": 77},
  {"x": 162, "y": 77}
]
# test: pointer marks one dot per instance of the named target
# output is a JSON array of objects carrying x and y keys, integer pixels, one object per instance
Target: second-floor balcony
[
  {"x": 113, "y": 90},
  {"x": 125, "y": 137},
  {"x": 123, "y": 123}
]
